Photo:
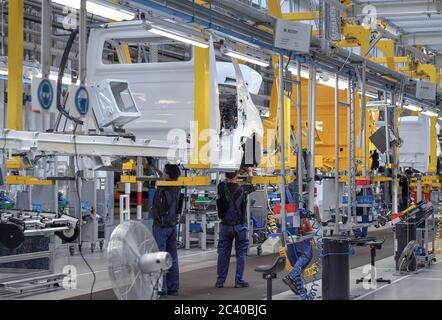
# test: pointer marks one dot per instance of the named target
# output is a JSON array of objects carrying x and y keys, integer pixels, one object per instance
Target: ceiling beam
[
  {"x": 419, "y": 24},
  {"x": 387, "y": 9},
  {"x": 422, "y": 39},
  {"x": 416, "y": 18}
]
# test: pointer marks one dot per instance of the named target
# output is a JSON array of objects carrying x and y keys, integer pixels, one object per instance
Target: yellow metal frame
[
  {"x": 274, "y": 9},
  {"x": 15, "y": 64},
  {"x": 201, "y": 181},
  {"x": 195, "y": 181},
  {"x": 382, "y": 179},
  {"x": 15, "y": 163},
  {"x": 355, "y": 36},
  {"x": 128, "y": 179},
  {"x": 427, "y": 182},
  {"x": 270, "y": 179},
  {"x": 130, "y": 165},
  {"x": 202, "y": 3},
  {"x": 360, "y": 36},
  {"x": 387, "y": 47},
  {"x": 28, "y": 180},
  {"x": 300, "y": 16},
  {"x": 403, "y": 59}
]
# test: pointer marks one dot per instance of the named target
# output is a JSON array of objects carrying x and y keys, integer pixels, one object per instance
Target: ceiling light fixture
[
  {"x": 178, "y": 37},
  {"x": 241, "y": 56},
  {"x": 102, "y": 9},
  {"x": 412, "y": 107},
  {"x": 430, "y": 113}
]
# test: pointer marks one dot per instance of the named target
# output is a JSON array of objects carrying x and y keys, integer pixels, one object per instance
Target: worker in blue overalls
[
  {"x": 165, "y": 210},
  {"x": 232, "y": 210}
]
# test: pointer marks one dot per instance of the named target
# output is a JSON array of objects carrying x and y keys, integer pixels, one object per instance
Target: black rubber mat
[{"x": 200, "y": 284}]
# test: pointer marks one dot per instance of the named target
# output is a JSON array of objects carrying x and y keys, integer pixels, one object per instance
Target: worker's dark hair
[
  {"x": 408, "y": 171},
  {"x": 231, "y": 174},
  {"x": 173, "y": 171}
]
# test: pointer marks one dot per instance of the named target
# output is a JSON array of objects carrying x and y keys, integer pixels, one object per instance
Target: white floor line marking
[
  {"x": 429, "y": 279},
  {"x": 383, "y": 287},
  {"x": 387, "y": 285}
]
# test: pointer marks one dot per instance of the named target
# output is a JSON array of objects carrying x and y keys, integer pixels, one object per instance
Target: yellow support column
[
  {"x": 126, "y": 55},
  {"x": 433, "y": 73},
  {"x": 433, "y": 145},
  {"x": 274, "y": 8},
  {"x": 15, "y": 64},
  {"x": 199, "y": 160},
  {"x": 272, "y": 124},
  {"x": 387, "y": 47}
]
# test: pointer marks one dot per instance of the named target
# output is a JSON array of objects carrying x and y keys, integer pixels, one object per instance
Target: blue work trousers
[
  {"x": 166, "y": 239},
  {"x": 226, "y": 236}
]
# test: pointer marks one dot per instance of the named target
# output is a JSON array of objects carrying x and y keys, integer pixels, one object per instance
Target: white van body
[
  {"x": 415, "y": 150},
  {"x": 165, "y": 93}
]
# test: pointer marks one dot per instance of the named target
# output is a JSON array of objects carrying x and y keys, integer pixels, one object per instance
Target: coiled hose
[
  {"x": 272, "y": 223},
  {"x": 314, "y": 269},
  {"x": 317, "y": 265}
]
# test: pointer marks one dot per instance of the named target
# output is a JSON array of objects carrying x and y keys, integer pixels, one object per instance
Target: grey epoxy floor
[
  {"x": 198, "y": 274},
  {"x": 198, "y": 271}
]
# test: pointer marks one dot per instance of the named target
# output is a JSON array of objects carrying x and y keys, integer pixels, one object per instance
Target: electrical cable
[
  {"x": 77, "y": 122},
  {"x": 345, "y": 62},
  {"x": 61, "y": 69},
  {"x": 156, "y": 283},
  {"x": 4, "y": 148},
  {"x": 77, "y": 187}
]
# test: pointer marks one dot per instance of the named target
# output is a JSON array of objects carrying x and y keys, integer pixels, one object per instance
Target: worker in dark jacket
[
  {"x": 232, "y": 210},
  {"x": 165, "y": 210}
]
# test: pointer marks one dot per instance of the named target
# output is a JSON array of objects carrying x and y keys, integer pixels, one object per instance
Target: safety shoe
[
  {"x": 241, "y": 285},
  {"x": 291, "y": 283},
  {"x": 219, "y": 285}
]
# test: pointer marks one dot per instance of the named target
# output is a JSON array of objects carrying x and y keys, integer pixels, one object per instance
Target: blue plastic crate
[
  {"x": 359, "y": 199},
  {"x": 292, "y": 231},
  {"x": 195, "y": 227}
]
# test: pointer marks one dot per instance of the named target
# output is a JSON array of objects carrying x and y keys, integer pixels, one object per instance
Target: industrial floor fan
[{"x": 136, "y": 267}]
